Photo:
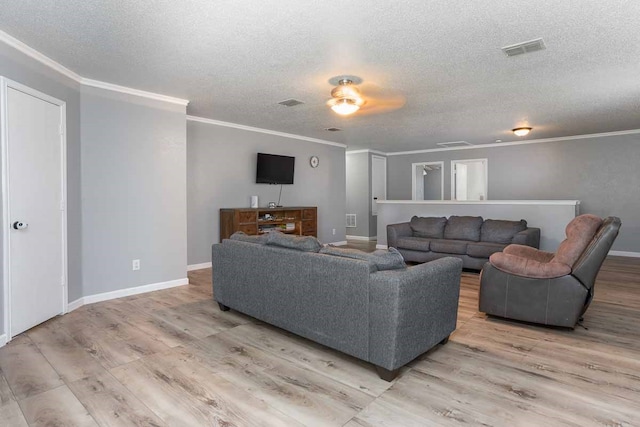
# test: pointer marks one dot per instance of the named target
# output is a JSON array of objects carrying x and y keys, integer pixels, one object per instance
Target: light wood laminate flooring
[{"x": 171, "y": 358}]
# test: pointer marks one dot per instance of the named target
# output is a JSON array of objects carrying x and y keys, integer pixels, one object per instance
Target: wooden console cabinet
[{"x": 303, "y": 221}]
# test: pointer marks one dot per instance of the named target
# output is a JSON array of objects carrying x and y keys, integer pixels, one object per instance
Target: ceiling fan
[{"x": 350, "y": 96}]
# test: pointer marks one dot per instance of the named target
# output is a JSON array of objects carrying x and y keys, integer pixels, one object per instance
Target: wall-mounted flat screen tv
[{"x": 274, "y": 169}]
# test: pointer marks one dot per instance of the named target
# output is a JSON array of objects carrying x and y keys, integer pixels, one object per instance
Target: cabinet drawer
[
  {"x": 247, "y": 216},
  {"x": 308, "y": 227},
  {"x": 308, "y": 214},
  {"x": 248, "y": 228}
]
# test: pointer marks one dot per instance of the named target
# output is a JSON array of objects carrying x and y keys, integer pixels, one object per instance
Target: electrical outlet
[
  {"x": 334, "y": 231},
  {"x": 135, "y": 265}
]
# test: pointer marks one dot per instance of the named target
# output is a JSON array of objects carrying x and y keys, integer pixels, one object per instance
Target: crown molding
[
  {"x": 40, "y": 57},
  {"x": 382, "y": 153},
  {"x": 260, "y": 130},
  {"x": 45, "y": 60},
  {"x": 135, "y": 92},
  {"x": 512, "y": 143}
]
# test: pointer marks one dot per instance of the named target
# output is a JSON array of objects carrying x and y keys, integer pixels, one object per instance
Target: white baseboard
[
  {"x": 73, "y": 305},
  {"x": 3, "y": 340},
  {"x": 90, "y": 299},
  {"x": 625, "y": 253},
  {"x": 198, "y": 266},
  {"x": 340, "y": 243},
  {"x": 361, "y": 238},
  {"x": 381, "y": 247}
]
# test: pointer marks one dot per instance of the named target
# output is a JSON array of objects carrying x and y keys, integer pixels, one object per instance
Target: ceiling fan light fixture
[
  {"x": 522, "y": 131},
  {"x": 344, "y": 106},
  {"x": 346, "y": 98}
]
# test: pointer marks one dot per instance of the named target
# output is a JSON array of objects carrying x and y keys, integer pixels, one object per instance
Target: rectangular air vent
[
  {"x": 290, "y": 102},
  {"x": 524, "y": 47},
  {"x": 333, "y": 129},
  {"x": 454, "y": 144},
  {"x": 351, "y": 220}
]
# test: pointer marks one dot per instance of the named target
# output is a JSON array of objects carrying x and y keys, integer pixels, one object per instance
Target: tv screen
[{"x": 274, "y": 169}]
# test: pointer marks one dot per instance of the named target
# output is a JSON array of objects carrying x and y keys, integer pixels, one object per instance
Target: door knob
[{"x": 19, "y": 225}]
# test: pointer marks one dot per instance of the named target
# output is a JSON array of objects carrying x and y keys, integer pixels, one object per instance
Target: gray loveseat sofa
[
  {"x": 469, "y": 238},
  {"x": 387, "y": 318}
]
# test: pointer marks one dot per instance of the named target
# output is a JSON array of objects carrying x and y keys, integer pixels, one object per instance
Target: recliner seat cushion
[
  {"x": 413, "y": 243},
  {"x": 526, "y": 267},
  {"x": 501, "y": 231},
  {"x": 483, "y": 249},
  {"x": 463, "y": 228},
  {"x": 429, "y": 227},
  {"x": 447, "y": 246}
]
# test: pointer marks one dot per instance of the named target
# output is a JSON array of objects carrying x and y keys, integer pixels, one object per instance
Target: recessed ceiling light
[{"x": 523, "y": 131}]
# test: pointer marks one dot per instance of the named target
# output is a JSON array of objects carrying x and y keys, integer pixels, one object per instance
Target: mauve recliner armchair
[{"x": 530, "y": 285}]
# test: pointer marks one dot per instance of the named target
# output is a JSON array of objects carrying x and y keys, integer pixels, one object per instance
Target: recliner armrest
[
  {"x": 529, "y": 252},
  {"x": 396, "y": 231},
  {"x": 528, "y": 237}
]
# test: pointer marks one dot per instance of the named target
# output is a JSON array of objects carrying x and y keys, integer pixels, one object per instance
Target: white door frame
[
  {"x": 485, "y": 162},
  {"x": 413, "y": 177},
  {"x": 5, "y": 84}
]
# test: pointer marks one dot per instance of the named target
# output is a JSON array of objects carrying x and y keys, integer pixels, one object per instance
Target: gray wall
[
  {"x": 133, "y": 191},
  {"x": 22, "y": 69},
  {"x": 358, "y": 183},
  {"x": 602, "y": 173},
  {"x": 432, "y": 185},
  {"x": 221, "y": 173}
]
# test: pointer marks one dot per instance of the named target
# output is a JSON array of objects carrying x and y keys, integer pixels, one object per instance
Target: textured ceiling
[{"x": 236, "y": 60}]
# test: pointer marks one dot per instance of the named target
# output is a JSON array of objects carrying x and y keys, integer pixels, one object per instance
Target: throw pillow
[
  {"x": 300, "y": 243},
  {"x": 241, "y": 236},
  {"x": 382, "y": 259},
  {"x": 499, "y": 231},
  {"x": 428, "y": 227}
]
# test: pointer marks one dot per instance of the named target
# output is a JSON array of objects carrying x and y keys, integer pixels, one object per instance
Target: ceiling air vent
[
  {"x": 524, "y": 47},
  {"x": 454, "y": 144},
  {"x": 290, "y": 102},
  {"x": 333, "y": 129}
]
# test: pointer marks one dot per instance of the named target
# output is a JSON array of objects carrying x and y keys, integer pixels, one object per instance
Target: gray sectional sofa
[
  {"x": 469, "y": 238},
  {"x": 340, "y": 298}
]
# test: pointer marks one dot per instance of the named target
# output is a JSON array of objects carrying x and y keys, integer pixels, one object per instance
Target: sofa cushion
[
  {"x": 300, "y": 243},
  {"x": 447, "y": 246},
  {"x": 380, "y": 260},
  {"x": 500, "y": 231},
  {"x": 463, "y": 228},
  {"x": 483, "y": 249},
  {"x": 429, "y": 227},
  {"x": 413, "y": 243},
  {"x": 243, "y": 237}
]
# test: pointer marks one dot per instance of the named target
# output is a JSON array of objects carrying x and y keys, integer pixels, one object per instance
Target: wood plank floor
[{"x": 171, "y": 358}]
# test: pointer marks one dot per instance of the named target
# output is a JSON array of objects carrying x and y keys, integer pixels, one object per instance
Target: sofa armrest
[
  {"x": 528, "y": 237},
  {"x": 395, "y": 231},
  {"x": 412, "y": 310}
]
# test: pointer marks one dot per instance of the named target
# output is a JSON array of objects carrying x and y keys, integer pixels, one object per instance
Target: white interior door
[
  {"x": 469, "y": 179},
  {"x": 35, "y": 219},
  {"x": 378, "y": 182}
]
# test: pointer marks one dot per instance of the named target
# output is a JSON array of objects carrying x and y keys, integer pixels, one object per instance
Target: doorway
[
  {"x": 427, "y": 181},
  {"x": 34, "y": 215},
  {"x": 469, "y": 179},
  {"x": 378, "y": 182}
]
